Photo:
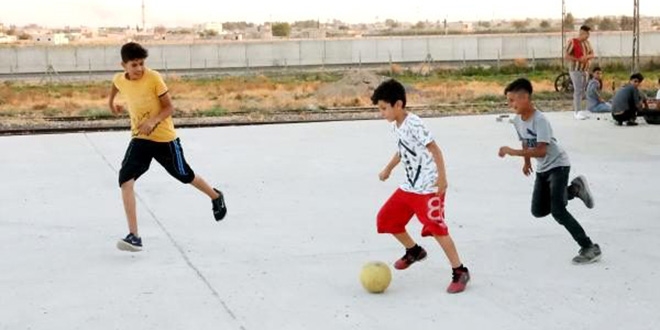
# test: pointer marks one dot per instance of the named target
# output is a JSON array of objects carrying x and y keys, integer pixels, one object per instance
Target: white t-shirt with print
[{"x": 421, "y": 171}]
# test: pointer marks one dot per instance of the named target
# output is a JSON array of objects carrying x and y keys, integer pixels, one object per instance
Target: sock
[
  {"x": 415, "y": 249},
  {"x": 461, "y": 267}
]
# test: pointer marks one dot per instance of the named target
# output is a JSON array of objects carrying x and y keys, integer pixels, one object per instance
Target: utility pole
[
  {"x": 563, "y": 34},
  {"x": 636, "y": 39},
  {"x": 144, "y": 26}
]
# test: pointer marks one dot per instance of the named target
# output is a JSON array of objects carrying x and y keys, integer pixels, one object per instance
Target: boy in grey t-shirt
[{"x": 551, "y": 189}]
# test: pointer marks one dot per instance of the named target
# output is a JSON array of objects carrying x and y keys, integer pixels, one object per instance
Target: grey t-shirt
[
  {"x": 593, "y": 94},
  {"x": 536, "y": 130},
  {"x": 626, "y": 99}
]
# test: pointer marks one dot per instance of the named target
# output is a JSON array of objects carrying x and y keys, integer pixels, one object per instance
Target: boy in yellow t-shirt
[{"x": 153, "y": 137}]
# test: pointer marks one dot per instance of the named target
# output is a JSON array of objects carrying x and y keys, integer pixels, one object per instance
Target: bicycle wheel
[{"x": 563, "y": 83}]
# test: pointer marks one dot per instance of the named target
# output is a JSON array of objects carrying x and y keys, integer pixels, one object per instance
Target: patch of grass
[
  {"x": 52, "y": 112},
  {"x": 96, "y": 113},
  {"x": 216, "y": 111}
]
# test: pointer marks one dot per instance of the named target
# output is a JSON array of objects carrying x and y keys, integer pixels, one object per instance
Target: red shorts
[{"x": 399, "y": 209}]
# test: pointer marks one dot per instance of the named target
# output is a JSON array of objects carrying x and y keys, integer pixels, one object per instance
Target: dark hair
[
  {"x": 133, "y": 51},
  {"x": 519, "y": 85},
  {"x": 389, "y": 91},
  {"x": 585, "y": 28},
  {"x": 637, "y": 76},
  {"x": 596, "y": 69}
]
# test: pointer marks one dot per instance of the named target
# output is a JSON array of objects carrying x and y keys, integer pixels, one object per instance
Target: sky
[{"x": 96, "y": 13}]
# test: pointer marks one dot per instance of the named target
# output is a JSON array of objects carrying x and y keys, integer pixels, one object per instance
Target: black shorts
[{"x": 169, "y": 154}]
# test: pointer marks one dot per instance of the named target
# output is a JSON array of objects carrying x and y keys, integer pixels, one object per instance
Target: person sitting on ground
[
  {"x": 627, "y": 101},
  {"x": 595, "y": 102}
]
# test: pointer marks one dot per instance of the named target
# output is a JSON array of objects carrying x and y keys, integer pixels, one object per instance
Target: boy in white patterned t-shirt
[{"x": 423, "y": 191}]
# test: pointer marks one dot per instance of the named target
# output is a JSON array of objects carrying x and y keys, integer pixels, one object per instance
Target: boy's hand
[
  {"x": 147, "y": 126},
  {"x": 117, "y": 109},
  {"x": 442, "y": 185},
  {"x": 527, "y": 169},
  {"x": 384, "y": 175},
  {"x": 504, "y": 151}
]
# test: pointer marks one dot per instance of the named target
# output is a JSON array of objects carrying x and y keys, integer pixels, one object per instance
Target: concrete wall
[{"x": 36, "y": 59}]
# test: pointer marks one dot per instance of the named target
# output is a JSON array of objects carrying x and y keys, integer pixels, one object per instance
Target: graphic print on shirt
[
  {"x": 530, "y": 142},
  {"x": 408, "y": 155},
  {"x": 421, "y": 171}
]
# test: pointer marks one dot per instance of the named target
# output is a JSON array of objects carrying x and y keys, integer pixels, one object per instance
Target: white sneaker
[{"x": 581, "y": 116}]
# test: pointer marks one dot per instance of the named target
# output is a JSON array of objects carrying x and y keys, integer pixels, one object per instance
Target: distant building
[
  {"x": 51, "y": 39},
  {"x": 5, "y": 39},
  {"x": 211, "y": 26}
]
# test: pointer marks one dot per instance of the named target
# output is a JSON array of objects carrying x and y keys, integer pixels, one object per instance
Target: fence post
[{"x": 360, "y": 60}]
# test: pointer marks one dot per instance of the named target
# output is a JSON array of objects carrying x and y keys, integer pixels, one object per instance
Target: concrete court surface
[{"x": 302, "y": 202}]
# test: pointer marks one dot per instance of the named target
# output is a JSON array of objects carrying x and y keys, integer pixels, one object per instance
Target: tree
[
  {"x": 544, "y": 25},
  {"x": 160, "y": 30},
  {"x": 626, "y": 23},
  {"x": 392, "y": 24},
  {"x": 592, "y": 21},
  {"x": 420, "y": 25},
  {"x": 607, "y": 24},
  {"x": 309, "y": 24},
  {"x": 208, "y": 34},
  {"x": 281, "y": 29},
  {"x": 236, "y": 25},
  {"x": 484, "y": 24},
  {"x": 569, "y": 22},
  {"x": 520, "y": 25}
]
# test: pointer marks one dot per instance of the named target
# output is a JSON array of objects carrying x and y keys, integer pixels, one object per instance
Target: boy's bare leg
[
  {"x": 405, "y": 240},
  {"x": 204, "y": 187},
  {"x": 448, "y": 246},
  {"x": 128, "y": 196}
]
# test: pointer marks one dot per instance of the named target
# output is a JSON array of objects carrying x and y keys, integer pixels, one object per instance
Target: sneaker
[
  {"x": 583, "y": 191},
  {"x": 131, "y": 243},
  {"x": 618, "y": 123},
  {"x": 588, "y": 255},
  {"x": 459, "y": 280},
  {"x": 414, "y": 254},
  {"x": 219, "y": 207},
  {"x": 631, "y": 123},
  {"x": 580, "y": 116}
]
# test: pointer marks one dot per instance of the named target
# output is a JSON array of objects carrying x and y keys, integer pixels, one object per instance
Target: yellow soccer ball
[{"x": 375, "y": 276}]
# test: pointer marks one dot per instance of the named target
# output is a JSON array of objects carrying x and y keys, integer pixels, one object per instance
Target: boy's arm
[
  {"x": 568, "y": 51},
  {"x": 111, "y": 101},
  {"x": 527, "y": 166},
  {"x": 166, "y": 110},
  {"x": 440, "y": 163},
  {"x": 538, "y": 152},
  {"x": 385, "y": 174},
  {"x": 166, "y": 107}
]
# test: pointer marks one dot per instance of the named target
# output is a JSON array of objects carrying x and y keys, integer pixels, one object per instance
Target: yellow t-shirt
[{"x": 143, "y": 98}]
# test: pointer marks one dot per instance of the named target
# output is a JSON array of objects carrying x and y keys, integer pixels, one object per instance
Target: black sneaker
[
  {"x": 131, "y": 243},
  {"x": 219, "y": 207},
  {"x": 583, "y": 191},
  {"x": 413, "y": 255},
  {"x": 631, "y": 123},
  {"x": 588, "y": 255}
]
